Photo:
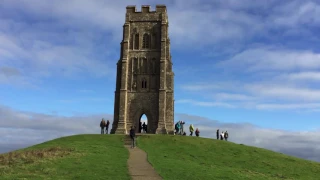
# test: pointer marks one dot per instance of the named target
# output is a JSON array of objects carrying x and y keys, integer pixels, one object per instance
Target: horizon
[{"x": 248, "y": 67}]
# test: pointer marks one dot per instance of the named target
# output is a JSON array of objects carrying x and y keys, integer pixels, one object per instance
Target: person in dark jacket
[
  {"x": 102, "y": 125},
  {"x": 132, "y": 136},
  {"x": 144, "y": 127},
  {"x": 218, "y": 134},
  {"x": 197, "y": 132},
  {"x": 107, "y": 126},
  {"x": 226, "y": 135}
]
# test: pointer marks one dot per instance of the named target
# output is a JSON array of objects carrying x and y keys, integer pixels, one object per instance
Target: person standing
[
  {"x": 107, "y": 126},
  {"x": 191, "y": 129},
  {"x": 132, "y": 136},
  {"x": 177, "y": 127},
  {"x": 218, "y": 134},
  {"x": 197, "y": 132},
  {"x": 181, "y": 125},
  {"x": 144, "y": 127},
  {"x": 222, "y": 135},
  {"x": 226, "y": 135},
  {"x": 102, "y": 125}
]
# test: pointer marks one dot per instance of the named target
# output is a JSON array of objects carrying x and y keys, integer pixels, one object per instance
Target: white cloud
[
  {"x": 258, "y": 95},
  {"x": 75, "y": 40},
  {"x": 46, "y": 59},
  {"x": 302, "y": 76},
  {"x": 205, "y": 103},
  {"x": 272, "y": 58},
  {"x": 233, "y": 97},
  {"x": 214, "y": 85},
  {"x": 311, "y": 106},
  {"x": 79, "y": 100},
  {"x": 284, "y": 92},
  {"x": 36, "y": 121},
  {"x": 268, "y": 76},
  {"x": 297, "y": 13}
]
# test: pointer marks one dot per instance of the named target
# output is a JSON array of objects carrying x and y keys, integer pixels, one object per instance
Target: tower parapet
[
  {"x": 147, "y": 9},
  {"x": 133, "y": 15}
]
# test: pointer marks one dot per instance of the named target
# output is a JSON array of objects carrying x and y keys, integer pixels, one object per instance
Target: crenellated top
[{"x": 146, "y": 9}]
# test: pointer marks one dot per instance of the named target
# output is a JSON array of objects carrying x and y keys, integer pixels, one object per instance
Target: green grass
[
  {"x": 173, "y": 157},
  {"x": 74, "y": 157},
  {"x": 183, "y": 157}
]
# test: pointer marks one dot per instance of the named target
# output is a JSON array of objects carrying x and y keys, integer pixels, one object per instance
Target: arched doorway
[{"x": 143, "y": 120}]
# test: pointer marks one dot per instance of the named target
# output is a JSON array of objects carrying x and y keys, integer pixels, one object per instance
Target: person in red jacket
[{"x": 197, "y": 132}]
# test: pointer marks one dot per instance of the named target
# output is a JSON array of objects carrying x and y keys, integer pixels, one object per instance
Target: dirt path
[{"x": 139, "y": 167}]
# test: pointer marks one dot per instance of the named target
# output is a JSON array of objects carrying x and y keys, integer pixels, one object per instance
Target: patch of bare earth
[{"x": 32, "y": 156}]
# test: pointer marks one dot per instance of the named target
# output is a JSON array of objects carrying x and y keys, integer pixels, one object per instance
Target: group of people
[
  {"x": 143, "y": 127},
  {"x": 223, "y": 135},
  {"x": 104, "y": 124},
  {"x": 179, "y": 129}
]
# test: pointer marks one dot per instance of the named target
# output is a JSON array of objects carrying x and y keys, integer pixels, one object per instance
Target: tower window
[
  {"x": 136, "y": 41},
  {"x": 144, "y": 84},
  {"x": 146, "y": 41}
]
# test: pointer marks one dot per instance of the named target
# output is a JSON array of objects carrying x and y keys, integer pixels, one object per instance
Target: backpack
[{"x": 226, "y": 135}]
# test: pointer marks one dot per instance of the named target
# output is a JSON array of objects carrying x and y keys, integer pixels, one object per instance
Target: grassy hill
[{"x": 173, "y": 157}]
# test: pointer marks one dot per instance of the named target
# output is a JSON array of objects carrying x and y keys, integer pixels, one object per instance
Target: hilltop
[{"x": 173, "y": 157}]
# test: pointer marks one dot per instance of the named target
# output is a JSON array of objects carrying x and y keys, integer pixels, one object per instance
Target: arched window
[
  {"x": 144, "y": 84},
  {"x": 136, "y": 41},
  {"x": 146, "y": 41}
]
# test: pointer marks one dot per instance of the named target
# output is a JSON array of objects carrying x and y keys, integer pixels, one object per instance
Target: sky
[{"x": 249, "y": 67}]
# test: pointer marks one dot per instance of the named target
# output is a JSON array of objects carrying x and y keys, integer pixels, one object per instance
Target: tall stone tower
[{"x": 145, "y": 80}]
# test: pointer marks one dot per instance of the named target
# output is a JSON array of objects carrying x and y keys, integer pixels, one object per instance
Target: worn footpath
[{"x": 139, "y": 167}]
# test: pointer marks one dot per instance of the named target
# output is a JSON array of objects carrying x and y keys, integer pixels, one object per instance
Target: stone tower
[{"x": 145, "y": 79}]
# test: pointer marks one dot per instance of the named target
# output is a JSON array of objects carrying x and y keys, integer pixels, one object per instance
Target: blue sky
[{"x": 239, "y": 62}]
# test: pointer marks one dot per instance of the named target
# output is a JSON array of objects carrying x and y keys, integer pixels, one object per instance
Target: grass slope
[
  {"x": 183, "y": 157},
  {"x": 74, "y": 157},
  {"x": 173, "y": 157}
]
